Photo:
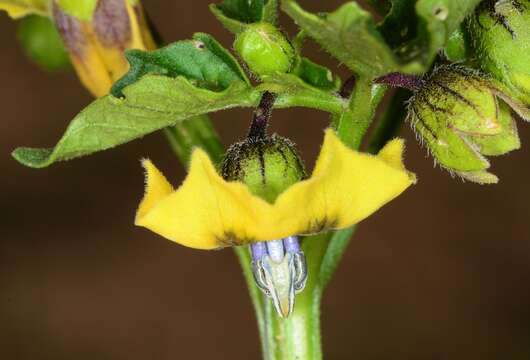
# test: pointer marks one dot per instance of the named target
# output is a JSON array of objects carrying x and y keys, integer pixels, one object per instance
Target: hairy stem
[{"x": 261, "y": 116}]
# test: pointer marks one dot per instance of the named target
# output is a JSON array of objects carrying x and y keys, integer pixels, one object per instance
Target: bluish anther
[{"x": 280, "y": 271}]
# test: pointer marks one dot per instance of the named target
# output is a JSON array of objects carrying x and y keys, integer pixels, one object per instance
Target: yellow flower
[
  {"x": 207, "y": 212},
  {"x": 96, "y": 34},
  {"x": 20, "y": 8}
]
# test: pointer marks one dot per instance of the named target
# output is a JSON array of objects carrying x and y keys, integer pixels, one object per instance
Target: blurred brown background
[{"x": 441, "y": 273}]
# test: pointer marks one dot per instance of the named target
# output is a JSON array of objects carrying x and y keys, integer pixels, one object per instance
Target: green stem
[
  {"x": 298, "y": 336},
  {"x": 390, "y": 122},
  {"x": 199, "y": 131},
  {"x": 352, "y": 124}
]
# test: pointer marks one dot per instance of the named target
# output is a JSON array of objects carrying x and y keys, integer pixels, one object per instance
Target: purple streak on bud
[
  {"x": 258, "y": 250},
  {"x": 291, "y": 244},
  {"x": 70, "y": 30},
  {"x": 396, "y": 79},
  {"x": 112, "y": 23}
]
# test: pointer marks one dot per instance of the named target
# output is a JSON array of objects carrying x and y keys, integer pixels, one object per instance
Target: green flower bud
[
  {"x": 500, "y": 31},
  {"x": 462, "y": 118},
  {"x": 265, "y": 49},
  {"x": 268, "y": 166},
  {"x": 42, "y": 42}
]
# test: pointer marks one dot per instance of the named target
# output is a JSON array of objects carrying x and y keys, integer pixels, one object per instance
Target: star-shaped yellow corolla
[{"x": 208, "y": 212}]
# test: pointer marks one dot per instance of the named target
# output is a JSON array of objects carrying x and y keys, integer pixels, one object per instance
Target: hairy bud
[
  {"x": 268, "y": 165},
  {"x": 265, "y": 49},
  {"x": 500, "y": 31},
  {"x": 462, "y": 118}
]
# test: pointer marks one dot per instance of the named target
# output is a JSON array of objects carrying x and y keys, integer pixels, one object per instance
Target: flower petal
[
  {"x": 206, "y": 212},
  {"x": 346, "y": 187}
]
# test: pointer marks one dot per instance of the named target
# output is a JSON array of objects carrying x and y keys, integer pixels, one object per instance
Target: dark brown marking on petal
[
  {"x": 70, "y": 30},
  {"x": 229, "y": 239},
  {"x": 319, "y": 225},
  {"x": 112, "y": 24}
]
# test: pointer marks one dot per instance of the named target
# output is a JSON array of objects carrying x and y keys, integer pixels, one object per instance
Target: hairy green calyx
[
  {"x": 460, "y": 117},
  {"x": 268, "y": 166}
]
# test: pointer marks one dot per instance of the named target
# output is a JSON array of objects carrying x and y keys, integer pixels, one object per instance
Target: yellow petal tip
[{"x": 156, "y": 188}]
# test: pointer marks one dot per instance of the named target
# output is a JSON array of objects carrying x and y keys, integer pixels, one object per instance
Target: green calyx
[
  {"x": 500, "y": 31},
  {"x": 268, "y": 166},
  {"x": 460, "y": 117},
  {"x": 265, "y": 49}
]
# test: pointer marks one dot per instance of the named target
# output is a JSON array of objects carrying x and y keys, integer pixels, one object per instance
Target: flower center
[{"x": 280, "y": 271}]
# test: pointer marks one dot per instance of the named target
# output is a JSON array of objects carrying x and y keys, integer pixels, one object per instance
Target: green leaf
[
  {"x": 419, "y": 29},
  {"x": 236, "y": 14},
  {"x": 202, "y": 60},
  {"x": 293, "y": 91},
  {"x": 152, "y": 103},
  {"x": 349, "y": 34},
  {"x": 316, "y": 75}
]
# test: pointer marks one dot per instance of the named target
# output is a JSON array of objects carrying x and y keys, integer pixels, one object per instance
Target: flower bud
[
  {"x": 500, "y": 31},
  {"x": 265, "y": 49},
  {"x": 96, "y": 34},
  {"x": 268, "y": 165},
  {"x": 461, "y": 118}
]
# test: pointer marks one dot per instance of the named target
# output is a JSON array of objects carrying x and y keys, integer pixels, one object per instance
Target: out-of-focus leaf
[
  {"x": 408, "y": 39},
  {"x": 152, "y": 103},
  {"x": 236, "y": 14},
  {"x": 418, "y": 29},
  {"x": 382, "y": 7},
  {"x": 203, "y": 61},
  {"x": 349, "y": 34},
  {"x": 438, "y": 20}
]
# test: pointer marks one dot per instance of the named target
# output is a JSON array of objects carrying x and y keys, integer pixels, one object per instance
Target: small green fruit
[
  {"x": 500, "y": 31},
  {"x": 460, "y": 116},
  {"x": 42, "y": 42},
  {"x": 265, "y": 49},
  {"x": 268, "y": 166}
]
